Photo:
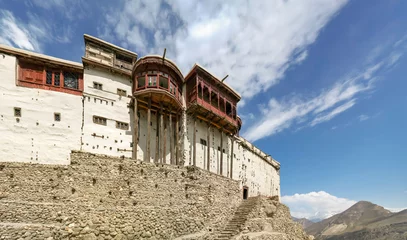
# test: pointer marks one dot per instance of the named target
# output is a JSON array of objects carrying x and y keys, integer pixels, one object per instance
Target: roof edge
[
  {"x": 92, "y": 38},
  {"x": 30, "y": 54}
]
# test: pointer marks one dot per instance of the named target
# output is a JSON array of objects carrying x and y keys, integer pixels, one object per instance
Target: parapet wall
[{"x": 99, "y": 197}]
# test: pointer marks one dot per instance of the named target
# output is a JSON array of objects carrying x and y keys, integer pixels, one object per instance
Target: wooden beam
[
  {"x": 194, "y": 142},
  {"x": 221, "y": 152},
  {"x": 157, "y": 138},
  {"x": 171, "y": 139},
  {"x": 135, "y": 127},
  {"x": 231, "y": 157},
  {"x": 165, "y": 139},
  {"x": 177, "y": 154},
  {"x": 162, "y": 140},
  {"x": 208, "y": 139},
  {"x": 148, "y": 131}
]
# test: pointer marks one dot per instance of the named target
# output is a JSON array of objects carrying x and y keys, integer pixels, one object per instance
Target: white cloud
[
  {"x": 316, "y": 205},
  {"x": 363, "y": 117},
  {"x": 254, "y": 42},
  {"x": 14, "y": 32},
  {"x": 277, "y": 116},
  {"x": 394, "y": 210}
]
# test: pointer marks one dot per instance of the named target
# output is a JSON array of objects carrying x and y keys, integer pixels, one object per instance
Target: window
[
  {"x": 57, "y": 117},
  {"x": 152, "y": 80},
  {"x": 122, "y": 125},
  {"x": 48, "y": 77},
  {"x": 17, "y": 112},
  {"x": 218, "y": 148},
  {"x": 99, "y": 120},
  {"x": 124, "y": 58},
  {"x": 163, "y": 82},
  {"x": 141, "y": 82},
  {"x": 71, "y": 80},
  {"x": 121, "y": 92},
  {"x": 57, "y": 78},
  {"x": 97, "y": 85},
  {"x": 203, "y": 142}
]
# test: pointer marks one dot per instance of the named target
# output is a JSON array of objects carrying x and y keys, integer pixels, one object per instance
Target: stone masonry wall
[{"x": 98, "y": 197}]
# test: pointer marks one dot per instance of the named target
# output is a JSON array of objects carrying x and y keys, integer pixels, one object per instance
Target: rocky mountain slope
[
  {"x": 303, "y": 221},
  {"x": 364, "y": 220}
]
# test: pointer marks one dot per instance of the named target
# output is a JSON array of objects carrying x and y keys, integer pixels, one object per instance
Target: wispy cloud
[
  {"x": 15, "y": 33},
  {"x": 255, "y": 42},
  {"x": 277, "y": 116},
  {"x": 363, "y": 117},
  {"x": 31, "y": 34}
]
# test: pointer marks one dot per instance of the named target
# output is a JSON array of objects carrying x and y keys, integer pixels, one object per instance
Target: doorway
[{"x": 245, "y": 192}]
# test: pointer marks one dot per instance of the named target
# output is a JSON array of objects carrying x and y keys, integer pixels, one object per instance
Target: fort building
[{"x": 117, "y": 104}]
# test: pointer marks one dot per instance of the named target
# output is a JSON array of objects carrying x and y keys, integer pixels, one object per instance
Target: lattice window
[
  {"x": 99, "y": 120},
  {"x": 71, "y": 80},
  {"x": 48, "y": 77},
  {"x": 57, "y": 79},
  {"x": 17, "y": 112},
  {"x": 121, "y": 92},
  {"x": 122, "y": 125},
  {"x": 57, "y": 117}
]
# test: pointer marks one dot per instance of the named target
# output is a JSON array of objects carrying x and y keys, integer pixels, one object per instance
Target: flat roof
[
  {"x": 30, "y": 54},
  {"x": 92, "y": 38}
]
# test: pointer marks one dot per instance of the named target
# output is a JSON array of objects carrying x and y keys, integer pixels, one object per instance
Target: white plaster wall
[
  {"x": 108, "y": 104},
  {"x": 37, "y": 138}
]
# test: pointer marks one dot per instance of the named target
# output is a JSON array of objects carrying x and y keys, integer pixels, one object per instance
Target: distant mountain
[
  {"x": 364, "y": 220},
  {"x": 303, "y": 221}
]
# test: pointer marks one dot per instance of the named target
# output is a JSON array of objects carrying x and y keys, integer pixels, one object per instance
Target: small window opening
[
  {"x": 229, "y": 109},
  {"x": 222, "y": 104},
  {"x": 122, "y": 125},
  {"x": 57, "y": 117},
  {"x": 245, "y": 193},
  {"x": 203, "y": 142},
  {"x": 121, "y": 92},
  {"x": 17, "y": 112},
  {"x": 214, "y": 99},
  {"x": 206, "y": 94},
  {"x": 99, "y": 120},
  {"x": 199, "y": 90},
  {"x": 97, "y": 85}
]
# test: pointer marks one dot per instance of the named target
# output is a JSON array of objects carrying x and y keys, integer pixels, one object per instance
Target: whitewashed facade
[{"x": 43, "y": 124}]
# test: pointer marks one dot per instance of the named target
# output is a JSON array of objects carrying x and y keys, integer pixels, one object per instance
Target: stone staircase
[{"x": 233, "y": 227}]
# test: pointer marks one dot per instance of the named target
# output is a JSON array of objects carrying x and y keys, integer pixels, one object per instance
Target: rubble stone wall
[{"x": 98, "y": 197}]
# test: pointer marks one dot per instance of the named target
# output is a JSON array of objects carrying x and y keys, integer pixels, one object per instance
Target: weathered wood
[
  {"x": 157, "y": 139},
  {"x": 231, "y": 156},
  {"x": 194, "y": 141},
  {"x": 162, "y": 140},
  {"x": 171, "y": 139},
  {"x": 165, "y": 139},
  {"x": 148, "y": 131},
  {"x": 208, "y": 143},
  {"x": 177, "y": 153},
  {"x": 135, "y": 127},
  {"x": 221, "y": 153}
]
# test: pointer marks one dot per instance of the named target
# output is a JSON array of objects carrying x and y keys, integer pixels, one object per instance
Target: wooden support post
[
  {"x": 162, "y": 139},
  {"x": 165, "y": 139},
  {"x": 171, "y": 139},
  {"x": 148, "y": 130},
  {"x": 221, "y": 152},
  {"x": 177, "y": 154},
  {"x": 231, "y": 156},
  {"x": 208, "y": 139},
  {"x": 157, "y": 139},
  {"x": 194, "y": 140},
  {"x": 135, "y": 127}
]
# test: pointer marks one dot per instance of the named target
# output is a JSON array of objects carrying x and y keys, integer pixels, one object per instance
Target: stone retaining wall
[{"x": 98, "y": 197}]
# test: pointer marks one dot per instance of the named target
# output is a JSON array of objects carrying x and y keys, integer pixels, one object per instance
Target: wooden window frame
[
  {"x": 99, "y": 120},
  {"x": 122, "y": 125}
]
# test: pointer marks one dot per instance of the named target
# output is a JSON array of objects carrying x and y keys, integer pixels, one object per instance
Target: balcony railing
[{"x": 159, "y": 81}]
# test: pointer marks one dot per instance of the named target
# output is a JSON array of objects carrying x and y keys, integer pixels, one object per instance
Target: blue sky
[{"x": 323, "y": 83}]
